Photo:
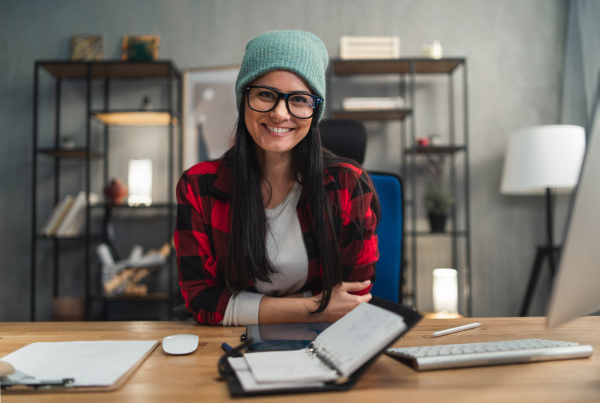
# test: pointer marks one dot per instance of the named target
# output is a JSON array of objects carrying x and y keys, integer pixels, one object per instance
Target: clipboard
[
  {"x": 79, "y": 366},
  {"x": 230, "y": 375}
]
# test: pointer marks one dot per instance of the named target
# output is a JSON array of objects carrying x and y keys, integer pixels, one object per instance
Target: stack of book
[
  {"x": 67, "y": 219},
  {"x": 369, "y": 47},
  {"x": 373, "y": 103}
]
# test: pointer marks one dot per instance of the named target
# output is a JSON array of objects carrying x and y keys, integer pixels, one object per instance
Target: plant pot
[
  {"x": 437, "y": 222},
  {"x": 68, "y": 309}
]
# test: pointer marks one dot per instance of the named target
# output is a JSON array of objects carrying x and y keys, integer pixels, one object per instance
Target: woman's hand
[
  {"x": 293, "y": 308},
  {"x": 341, "y": 301}
]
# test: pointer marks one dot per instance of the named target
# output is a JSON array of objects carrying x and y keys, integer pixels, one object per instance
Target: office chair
[
  {"x": 388, "y": 281},
  {"x": 348, "y": 138},
  {"x": 344, "y": 137}
]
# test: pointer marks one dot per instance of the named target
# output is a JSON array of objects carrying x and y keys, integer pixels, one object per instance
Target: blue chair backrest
[{"x": 390, "y": 233}]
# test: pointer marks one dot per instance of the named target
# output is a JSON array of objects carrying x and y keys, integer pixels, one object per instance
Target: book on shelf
[
  {"x": 68, "y": 216},
  {"x": 373, "y": 103},
  {"x": 74, "y": 219},
  {"x": 56, "y": 216},
  {"x": 335, "y": 360}
]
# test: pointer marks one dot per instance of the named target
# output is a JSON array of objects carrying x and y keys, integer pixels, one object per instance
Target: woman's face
[{"x": 277, "y": 132}]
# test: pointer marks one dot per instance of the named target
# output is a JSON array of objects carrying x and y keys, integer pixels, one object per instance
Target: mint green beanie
[{"x": 300, "y": 52}]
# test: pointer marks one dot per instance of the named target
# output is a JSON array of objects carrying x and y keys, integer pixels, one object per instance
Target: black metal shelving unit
[
  {"x": 94, "y": 74},
  {"x": 406, "y": 69}
]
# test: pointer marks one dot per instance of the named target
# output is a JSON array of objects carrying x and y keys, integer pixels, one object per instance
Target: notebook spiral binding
[{"x": 326, "y": 359}]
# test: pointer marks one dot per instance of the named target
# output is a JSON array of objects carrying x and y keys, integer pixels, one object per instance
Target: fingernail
[{"x": 366, "y": 282}]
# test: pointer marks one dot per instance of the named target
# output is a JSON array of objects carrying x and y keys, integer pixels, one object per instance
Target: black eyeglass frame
[{"x": 285, "y": 97}]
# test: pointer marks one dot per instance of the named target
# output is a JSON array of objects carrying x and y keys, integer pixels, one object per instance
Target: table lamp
[
  {"x": 543, "y": 160},
  {"x": 445, "y": 291},
  {"x": 140, "y": 182}
]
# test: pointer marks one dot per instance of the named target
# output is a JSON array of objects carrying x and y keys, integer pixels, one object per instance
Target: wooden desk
[{"x": 195, "y": 377}]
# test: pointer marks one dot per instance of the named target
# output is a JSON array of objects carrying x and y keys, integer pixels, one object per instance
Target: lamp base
[{"x": 543, "y": 252}]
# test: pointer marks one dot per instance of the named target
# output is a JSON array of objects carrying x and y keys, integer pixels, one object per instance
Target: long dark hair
[{"x": 247, "y": 258}]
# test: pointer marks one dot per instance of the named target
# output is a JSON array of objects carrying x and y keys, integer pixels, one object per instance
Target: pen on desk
[
  {"x": 226, "y": 347},
  {"x": 456, "y": 329}
]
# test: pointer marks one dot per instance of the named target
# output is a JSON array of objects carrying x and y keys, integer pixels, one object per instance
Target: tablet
[{"x": 283, "y": 336}]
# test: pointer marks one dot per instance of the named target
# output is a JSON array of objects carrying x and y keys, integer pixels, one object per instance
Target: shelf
[
  {"x": 110, "y": 69},
  {"x": 136, "y": 118},
  {"x": 446, "y": 149},
  {"x": 67, "y": 238},
  {"x": 397, "y": 114},
  {"x": 93, "y": 81},
  {"x": 408, "y": 72},
  {"x": 429, "y": 233},
  {"x": 153, "y": 296},
  {"x": 73, "y": 153},
  {"x": 125, "y": 206},
  {"x": 396, "y": 66}
]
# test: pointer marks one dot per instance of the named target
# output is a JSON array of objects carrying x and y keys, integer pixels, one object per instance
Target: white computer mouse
[{"x": 179, "y": 344}]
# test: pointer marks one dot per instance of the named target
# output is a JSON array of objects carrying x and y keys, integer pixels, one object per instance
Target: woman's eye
[
  {"x": 267, "y": 95},
  {"x": 300, "y": 99}
]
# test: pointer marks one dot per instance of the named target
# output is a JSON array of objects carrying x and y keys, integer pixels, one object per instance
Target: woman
[{"x": 279, "y": 229}]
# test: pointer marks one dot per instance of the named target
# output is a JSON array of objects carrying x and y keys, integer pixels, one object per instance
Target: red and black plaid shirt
[{"x": 202, "y": 234}]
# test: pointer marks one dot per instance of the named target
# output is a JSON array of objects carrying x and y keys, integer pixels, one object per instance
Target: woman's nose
[{"x": 280, "y": 110}]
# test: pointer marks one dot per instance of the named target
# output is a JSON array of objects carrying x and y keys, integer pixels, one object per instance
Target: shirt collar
[{"x": 223, "y": 185}]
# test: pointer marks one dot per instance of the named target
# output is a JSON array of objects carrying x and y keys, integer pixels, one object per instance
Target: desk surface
[{"x": 163, "y": 378}]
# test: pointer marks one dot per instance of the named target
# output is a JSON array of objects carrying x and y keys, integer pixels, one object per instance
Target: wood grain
[{"x": 194, "y": 377}]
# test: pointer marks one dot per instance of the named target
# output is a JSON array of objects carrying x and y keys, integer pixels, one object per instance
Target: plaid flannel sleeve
[
  {"x": 358, "y": 242},
  {"x": 200, "y": 279}
]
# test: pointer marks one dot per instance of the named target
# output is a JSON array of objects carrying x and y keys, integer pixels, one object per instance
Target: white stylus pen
[{"x": 456, "y": 329}]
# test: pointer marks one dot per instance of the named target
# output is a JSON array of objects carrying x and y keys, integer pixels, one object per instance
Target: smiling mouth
[{"x": 278, "y": 130}]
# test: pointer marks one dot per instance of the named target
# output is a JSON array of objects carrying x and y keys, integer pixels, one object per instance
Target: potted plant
[{"x": 439, "y": 200}]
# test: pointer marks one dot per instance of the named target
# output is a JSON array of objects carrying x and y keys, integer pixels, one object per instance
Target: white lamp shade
[
  {"x": 445, "y": 291},
  {"x": 140, "y": 182},
  {"x": 542, "y": 157}
]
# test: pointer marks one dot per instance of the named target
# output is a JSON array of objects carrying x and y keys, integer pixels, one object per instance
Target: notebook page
[
  {"x": 298, "y": 366},
  {"x": 358, "y": 336},
  {"x": 249, "y": 383}
]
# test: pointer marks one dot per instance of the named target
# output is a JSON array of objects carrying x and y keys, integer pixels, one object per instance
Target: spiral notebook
[{"x": 333, "y": 361}]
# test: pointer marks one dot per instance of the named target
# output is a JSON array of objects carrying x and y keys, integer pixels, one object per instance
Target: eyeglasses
[{"x": 298, "y": 103}]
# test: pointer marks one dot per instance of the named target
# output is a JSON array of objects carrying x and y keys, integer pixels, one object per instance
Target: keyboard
[{"x": 491, "y": 353}]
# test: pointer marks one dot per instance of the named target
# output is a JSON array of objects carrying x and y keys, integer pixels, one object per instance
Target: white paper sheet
[
  {"x": 91, "y": 363},
  {"x": 297, "y": 366},
  {"x": 248, "y": 382}
]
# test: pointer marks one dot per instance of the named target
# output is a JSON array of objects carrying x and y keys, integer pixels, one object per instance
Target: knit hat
[{"x": 300, "y": 52}]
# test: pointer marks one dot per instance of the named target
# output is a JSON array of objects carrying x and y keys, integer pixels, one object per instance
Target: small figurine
[{"x": 146, "y": 103}]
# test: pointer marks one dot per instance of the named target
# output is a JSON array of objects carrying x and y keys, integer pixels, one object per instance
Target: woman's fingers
[
  {"x": 355, "y": 286},
  {"x": 366, "y": 297}
]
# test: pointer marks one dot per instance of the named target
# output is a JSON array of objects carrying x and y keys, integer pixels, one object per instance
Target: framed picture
[
  {"x": 209, "y": 112},
  {"x": 141, "y": 48},
  {"x": 87, "y": 47}
]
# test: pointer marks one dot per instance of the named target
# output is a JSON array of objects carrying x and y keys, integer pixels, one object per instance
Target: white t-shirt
[{"x": 287, "y": 253}]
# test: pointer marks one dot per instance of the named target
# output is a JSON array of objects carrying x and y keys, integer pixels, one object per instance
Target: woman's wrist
[{"x": 287, "y": 310}]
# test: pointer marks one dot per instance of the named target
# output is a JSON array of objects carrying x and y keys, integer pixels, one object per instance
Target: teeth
[{"x": 278, "y": 130}]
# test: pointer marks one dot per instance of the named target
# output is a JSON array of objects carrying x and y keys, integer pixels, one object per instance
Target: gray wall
[{"x": 514, "y": 51}]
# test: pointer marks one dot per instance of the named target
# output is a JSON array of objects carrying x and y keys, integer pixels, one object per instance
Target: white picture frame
[{"x": 209, "y": 112}]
